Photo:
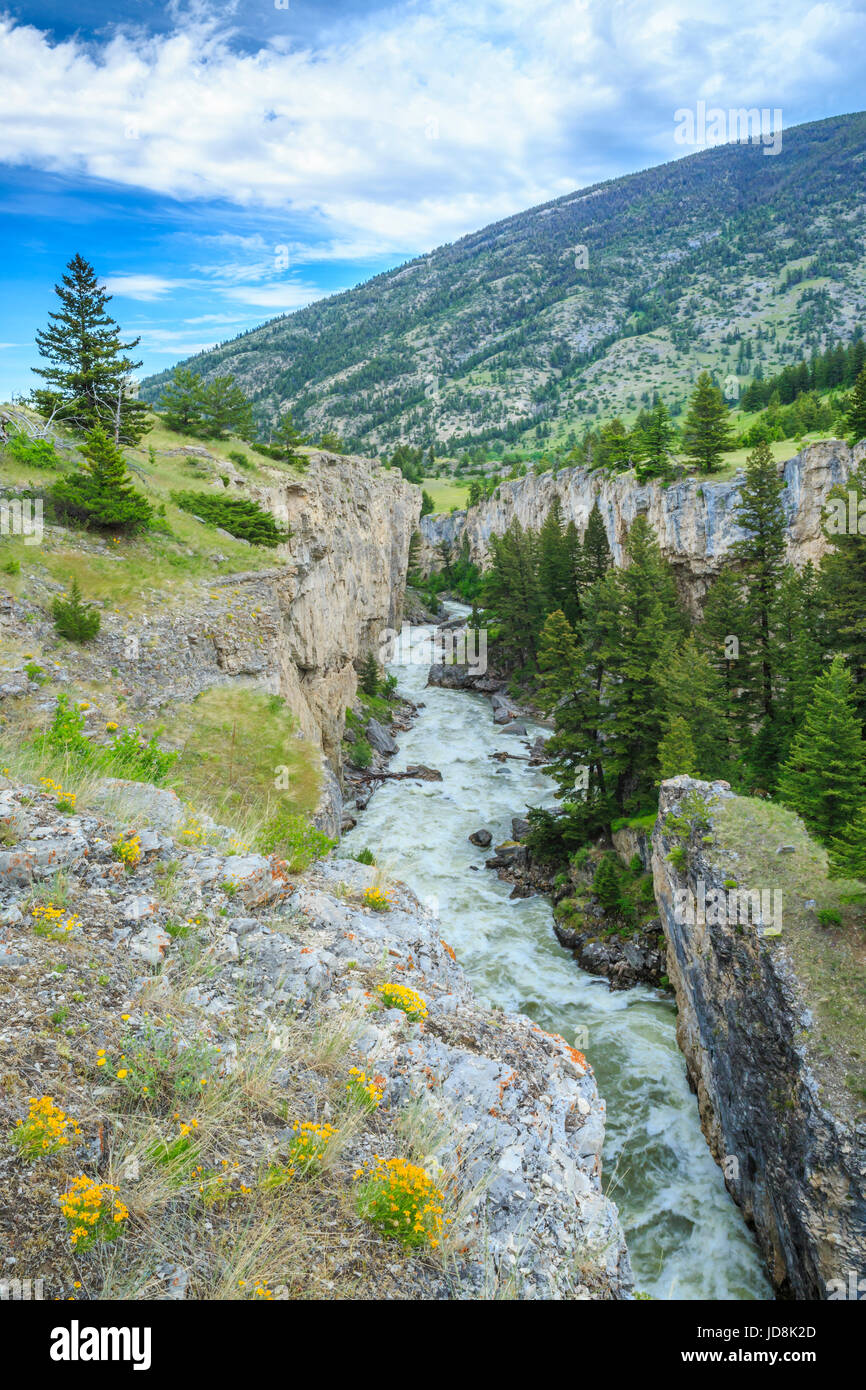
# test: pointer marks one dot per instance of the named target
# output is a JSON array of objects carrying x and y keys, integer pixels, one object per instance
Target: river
[{"x": 686, "y": 1237}]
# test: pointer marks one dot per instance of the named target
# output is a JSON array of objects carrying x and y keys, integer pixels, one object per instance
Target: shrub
[
  {"x": 402, "y": 997},
  {"x": 378, "y": 899},
  {"x": 402, "y": 1201},
  {"x": 35, "y": 453},
  {"x": 294, "y": 838},
  {"x": 240, "y": 460},
  {"x": 45, "y": 1129},
  {"x": 362, "y": 1091},
  {"x": 365, "y": 856},
  {"x": 91, "y": 1213},
  {"x": 240, "y": 516},
  {"x": 101, "y": 494},
  {"x": 74, "y": 619}
]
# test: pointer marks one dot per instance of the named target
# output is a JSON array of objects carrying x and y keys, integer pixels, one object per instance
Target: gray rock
[
  {"x": 482, "y": 838},
  {"x": 514, "y": 727},
  {"x": 379, "y": 738},
  {"x": 519, "y": 827}
]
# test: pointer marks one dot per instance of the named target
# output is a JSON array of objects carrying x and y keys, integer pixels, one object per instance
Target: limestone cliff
[
  {"x": 694, "y": 520},
  {"x": 774, "y": 1104},
  {"x": 344, "y": 580}
]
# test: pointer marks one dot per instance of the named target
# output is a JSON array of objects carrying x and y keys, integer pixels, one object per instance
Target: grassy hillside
[
  {"x": 158, "y": 586},
  {"x": 726, "y": 260}
]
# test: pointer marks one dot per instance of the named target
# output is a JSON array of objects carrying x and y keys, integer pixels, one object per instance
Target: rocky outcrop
[
  {"x": 506, "y": 1118},
  {"x": 344, "y": 581},
  {"x": 693, "y": 520},
  {"x": 794, "y": 1161}
]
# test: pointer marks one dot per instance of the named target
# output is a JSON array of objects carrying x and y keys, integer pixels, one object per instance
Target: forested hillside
[{"x": 728, "y": 260}]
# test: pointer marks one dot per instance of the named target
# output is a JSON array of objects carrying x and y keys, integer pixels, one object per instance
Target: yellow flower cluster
[
  {"x": 50, "y": 921},
  {"x": 111, "y": 726},
  {"x": 44, "y": 1130},
  {"x": 362, "y": 1090},
  {"x": 402, "y": 997},
  {"x": 402, "y": 1200},
  {"x": 379, "y": 899},
  {"x": 128, "y": 851},
  {"x": 236, "y": 846},
  {"x": 65, "y": 800},
  {"x": 91, "y": 1214},
  {"x": 192, "y": 830},
  {"x": 307, "y": 1149}
]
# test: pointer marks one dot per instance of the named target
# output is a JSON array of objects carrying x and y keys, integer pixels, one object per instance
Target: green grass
[
  {"x": 233, "y": 743},
  {"x": 830, "y": 962},
  {"x": 446, "y": 493}
]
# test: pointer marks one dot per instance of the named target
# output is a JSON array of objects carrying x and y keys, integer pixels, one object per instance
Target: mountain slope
[{"x": 726, "y": 259}]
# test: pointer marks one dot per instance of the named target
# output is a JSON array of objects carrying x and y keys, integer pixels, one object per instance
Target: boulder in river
[
  {"x": 514, "y": 727},
  {"x": 504, "y": 709},
  {"x": 482, "y": 838},
  {"x": 519, "y": 827},
  {"x": 379, "y": 738}
]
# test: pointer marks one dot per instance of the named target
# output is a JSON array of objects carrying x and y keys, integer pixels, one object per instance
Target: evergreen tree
[
  {"x": 285, "y": 439},
  {"x": 843, "y": 581},
  {"x": 182, "y": 402},
  {"x": 226, "y": 410},
  {"x": 655, "y": 440},
  {"x": 369, "y": 678},
  {"x": 513, "y": 592},
  {"x": 800, "y": 644},
  {"x": 554, "y": 575},
  {"x": 596, "y": 551},
  {"x": 848, "y": 849},
  {"x": 570, "y": 688},
  {"x": 633, "y": 632},
  {"x": 101, "y": 493},
  {"x": 575, "y": 569},
  {"x": 824, "y": 779},
  {"x": 720, "y": 634},
  {"x": 855, "y": 419},
  {"x": 73, "y": 619},
  {"x": 677, "y": 756},
  {"x": 761, "y": 558},
  {"x": 606, "y": 885},
  {"x": 706, "y": 431},
  {"x": 694, "y": 705},
  {"x": 88, "y": 371}
]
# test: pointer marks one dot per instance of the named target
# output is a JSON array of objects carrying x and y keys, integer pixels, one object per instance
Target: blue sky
[{"x": 221, "y": 165}]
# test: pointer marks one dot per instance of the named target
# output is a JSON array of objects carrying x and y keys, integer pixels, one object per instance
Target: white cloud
[
  {"x": 432, "y": 120},
  {"x": 142, "y": 287}
]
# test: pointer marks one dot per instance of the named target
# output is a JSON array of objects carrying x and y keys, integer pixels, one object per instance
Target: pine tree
[
  {"x": 843, "y": 581},
  {"x": 512, "y": 592},
  {"x": 761, "y": 558},
  {"x": 633, "y": 631},
  {"x": 855, "y": 419},
  {"x": 570, "y": 685},
  {"x": 848, "y": 849},
  {"x": 285, "y": 439},
  {"x": 87, "y": 379},
  {"x": 101, "y": 494},
  {"x": 553, "y": 561},
  {"x": 824, "y": 779},
  {"x": 369, "y": 678},
  {"x": 720, "y": 634},
  {"x": 74, "y": 619},
  {"x": 596, "y": 551},
  {"x": 182, "y": 402},
  {"x": 706, "y": 431},
  {"x": 694, "y": 703},
  {"x": 655, "y": 440},
  {"x": 677, "y": 756},
  {"x": 226, "y": 410},
  {"x": 606, "y": 885}
]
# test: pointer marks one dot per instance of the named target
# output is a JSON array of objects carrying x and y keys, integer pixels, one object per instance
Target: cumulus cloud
[{"x": 431, "y": 120}]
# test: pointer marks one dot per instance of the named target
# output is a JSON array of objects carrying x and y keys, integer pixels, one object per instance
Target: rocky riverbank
[
  {"x": 188, "y": 975},
  {"x": 773, "y": 1059}
]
